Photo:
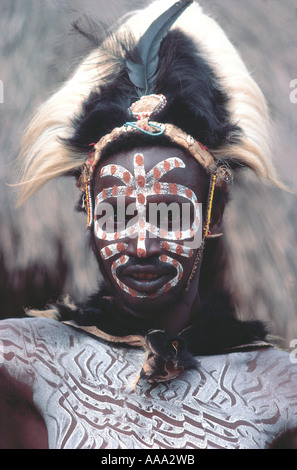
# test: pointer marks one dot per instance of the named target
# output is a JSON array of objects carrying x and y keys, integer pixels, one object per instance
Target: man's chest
[
  {"x": 85, "y": 391},
  {"x": 91, "y": 401}
]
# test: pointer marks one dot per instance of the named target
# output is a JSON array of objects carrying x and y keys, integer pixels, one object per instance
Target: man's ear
[{"x": 217, "y": 213}]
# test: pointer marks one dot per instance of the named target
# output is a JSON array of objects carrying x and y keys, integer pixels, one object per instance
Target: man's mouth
[
  {"x": 146, "y": 279},
  {"x": 144, "y": 276}
]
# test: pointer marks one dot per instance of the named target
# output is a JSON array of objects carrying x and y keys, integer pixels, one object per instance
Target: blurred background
[{"x": 43, "y": 245}]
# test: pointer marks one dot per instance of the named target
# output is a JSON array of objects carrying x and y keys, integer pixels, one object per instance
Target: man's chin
[{"x": 150, "y": 309}]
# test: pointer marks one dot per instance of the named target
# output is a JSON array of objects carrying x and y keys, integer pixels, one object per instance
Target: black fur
[
  {"x": 100, "y": 312},
  {"x": 214, "y": 329},
  {"x": 196, "y": 101}
]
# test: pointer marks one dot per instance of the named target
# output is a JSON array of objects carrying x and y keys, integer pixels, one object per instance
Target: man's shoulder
[
  {"x": 269, "y": 369},
  {"x": 25, "y": 343},
  {"x": 36, "y": 333},
  {"x": 20, "y": 331},
  {"x": 255, "y": 373},
  {"x": 274, "y": 360},
  {"x": 267, "y": 362}
]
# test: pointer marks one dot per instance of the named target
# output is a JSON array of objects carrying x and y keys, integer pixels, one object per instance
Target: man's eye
[
  {"x": 117, "y": 220},
  {"x": 169, "y": 221},
  {"x": 114, "y": 221},
  {"x": 114, "y": 218},
  {"x": 173, "y": 221}
]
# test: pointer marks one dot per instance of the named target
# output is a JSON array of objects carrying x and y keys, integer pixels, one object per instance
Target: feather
[{"x": 143, "y": 71}]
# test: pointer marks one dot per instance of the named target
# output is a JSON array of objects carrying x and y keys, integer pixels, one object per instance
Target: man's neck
[{"x": 173, "y": 317}]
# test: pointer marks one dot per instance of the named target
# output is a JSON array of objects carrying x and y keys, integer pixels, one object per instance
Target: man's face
[{"x": 148, "y": 223}]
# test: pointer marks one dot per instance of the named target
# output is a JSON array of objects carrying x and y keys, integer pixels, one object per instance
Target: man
[{"x": 153, "y": 128}]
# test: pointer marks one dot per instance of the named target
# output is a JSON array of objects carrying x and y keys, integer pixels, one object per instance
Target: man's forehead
[{"x": 152, "y": 156}]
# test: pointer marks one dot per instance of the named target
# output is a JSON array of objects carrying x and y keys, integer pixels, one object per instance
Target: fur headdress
[{"x": 210, "y": 95}]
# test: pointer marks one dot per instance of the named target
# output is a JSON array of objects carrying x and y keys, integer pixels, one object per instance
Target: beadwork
[{"x": 148, "y": 105}]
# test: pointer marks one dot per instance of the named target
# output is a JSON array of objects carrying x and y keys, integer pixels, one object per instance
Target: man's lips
[
  {"x": 146, "y": 279},
  {"x": 144, "y": 276}
]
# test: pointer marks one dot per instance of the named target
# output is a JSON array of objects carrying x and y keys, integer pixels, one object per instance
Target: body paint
[{"x": 140, "y": 187}]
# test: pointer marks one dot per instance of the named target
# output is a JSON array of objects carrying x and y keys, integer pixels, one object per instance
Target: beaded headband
[{"x": 142, "y": 110}]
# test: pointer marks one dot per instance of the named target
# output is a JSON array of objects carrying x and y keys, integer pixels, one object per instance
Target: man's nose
[{"x": 143, "y": 245}]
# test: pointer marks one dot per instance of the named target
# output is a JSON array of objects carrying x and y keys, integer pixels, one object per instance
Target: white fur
[{"x": 44, "y": 156}]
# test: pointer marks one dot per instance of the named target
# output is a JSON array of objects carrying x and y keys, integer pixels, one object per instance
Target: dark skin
[
  {"x": 173, "y": 309},
  {"x": 21, "y": 425}
]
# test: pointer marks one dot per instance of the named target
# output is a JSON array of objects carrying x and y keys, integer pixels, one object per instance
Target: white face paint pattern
[
  {"x": 140, "y": 186},
  {"x": 165, "y": 259}
]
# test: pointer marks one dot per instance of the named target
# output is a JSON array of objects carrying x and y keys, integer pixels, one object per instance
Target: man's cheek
[
  {"x": 178, "y": 249},
  {"x": 112, "y": 250}
]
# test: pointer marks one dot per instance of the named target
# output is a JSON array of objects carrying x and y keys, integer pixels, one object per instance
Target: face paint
[
  {"x": 141, "y": 186},
  {"x": 123, "y": 260},
  {"x": 180, "y": 250},
  {"x": 112, "y": 250}
]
